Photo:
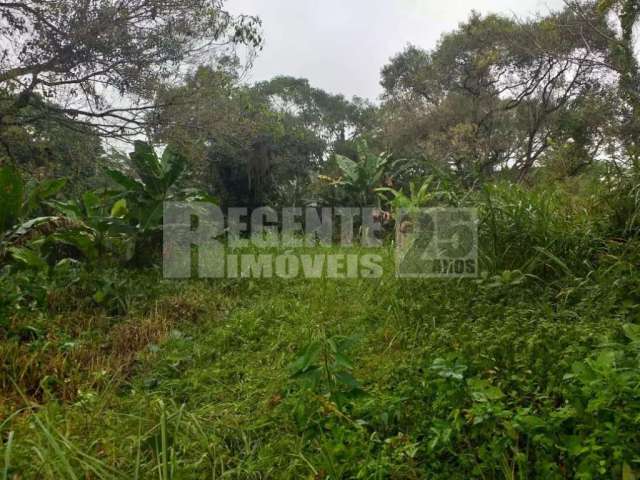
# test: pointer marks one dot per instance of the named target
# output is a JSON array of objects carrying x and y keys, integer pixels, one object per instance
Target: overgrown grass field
[
  {"x": 133, "y": 137},
  {"x": 529, "y": 372}
]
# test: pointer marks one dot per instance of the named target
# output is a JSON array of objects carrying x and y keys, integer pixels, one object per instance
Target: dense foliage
[{"x": 109, "y": 371}]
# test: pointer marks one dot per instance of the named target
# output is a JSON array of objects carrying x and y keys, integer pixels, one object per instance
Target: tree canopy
[{"x": 99, "y": 63}]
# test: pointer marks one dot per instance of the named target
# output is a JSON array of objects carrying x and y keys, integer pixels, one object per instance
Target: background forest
[{"x": 107, "y": 370}]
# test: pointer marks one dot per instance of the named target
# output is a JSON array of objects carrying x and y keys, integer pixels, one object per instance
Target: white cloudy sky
[{"x": 341, "y": 45}]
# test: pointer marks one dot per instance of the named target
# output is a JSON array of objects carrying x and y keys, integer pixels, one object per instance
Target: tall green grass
[
  {"x": 536, "y": 230},
  {"x": 529, "y": 371}
]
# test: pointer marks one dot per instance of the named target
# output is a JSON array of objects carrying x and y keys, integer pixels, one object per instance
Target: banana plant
[
  {"x": 20, "y": 225},
  {"x": 145, "y": 192},
  {"x": 112, "y": 234},
  {"x": 361, "y": 176},
  {"x": 431, "y": 192},
  {"x": 19, "y": 200},
  {"x": 142, "y": 195},
  {"x": 418, "y": 197}
]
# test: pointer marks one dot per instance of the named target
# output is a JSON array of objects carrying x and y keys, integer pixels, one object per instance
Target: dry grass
[{"x": 62, "y": 365}]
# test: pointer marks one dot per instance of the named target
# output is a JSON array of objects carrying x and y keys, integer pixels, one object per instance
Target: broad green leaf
[
  {"x": 532, "y": 422},
  {"x": 67, "y": 209},
  {"x": 445, "y": 370},
  {"x": 573, "y": 444},
  {"x": 312, "y": 374},
  {"x": 119, "y": 208},
  {"x": 483, "y": 391},
  {"x": 173, "y": 165},
  {"x": 348, "y": 167},
  {"x": 124, "y": 181},
  {"x": 345, "y": 378},
  {"x": 99, "y": 296},
  {"x": 147, "y": 166},
  {"x": 342, "y": 361},
  {"x": 604, "y": 361},
  {"x": 92, "y": 202},
  {"x": 152, "y": 215},
  {"x": 82, "y": 240},
  {"x": 632, "y": 332},
  {"x": 41, "y": 192},
  {"x": 307, "y": 358},
  {"x": 11, "y": 197},
  {"x": 28, "y": 257}
]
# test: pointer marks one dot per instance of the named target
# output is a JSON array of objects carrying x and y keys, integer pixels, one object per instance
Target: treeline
[{"x": 551, "y": 98}]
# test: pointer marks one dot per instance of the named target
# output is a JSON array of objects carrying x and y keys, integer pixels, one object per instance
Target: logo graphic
[
  {"x": 200, "y": 240},
  {"x": 437, "y": 243}
]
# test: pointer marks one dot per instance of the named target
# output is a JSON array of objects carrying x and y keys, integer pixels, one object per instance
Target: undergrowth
[{"x": 529, "y": 371}]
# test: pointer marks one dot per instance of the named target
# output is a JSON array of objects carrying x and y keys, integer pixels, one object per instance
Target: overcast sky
[{"x": 341, "y": 45}]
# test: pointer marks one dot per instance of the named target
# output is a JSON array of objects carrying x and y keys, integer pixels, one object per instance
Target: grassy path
[{"x": 455, "y": 379}]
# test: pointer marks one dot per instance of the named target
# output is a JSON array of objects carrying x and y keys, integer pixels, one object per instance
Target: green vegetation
[
  {"x": 110, "y": 371},
  {"x": 528, "y": 372}
]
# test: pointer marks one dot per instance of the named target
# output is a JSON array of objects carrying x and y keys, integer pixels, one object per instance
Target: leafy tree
[
  {"x": 611, "y": 26},
  {"x": 236, "y": 143},
  {"x": 485, "y": 100},
  {"x": 246, "y": 143},
  {"x": 99, "y": 63},
  {"x": 331, "y": 117},
  {"x": 46, "y": 149}
]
